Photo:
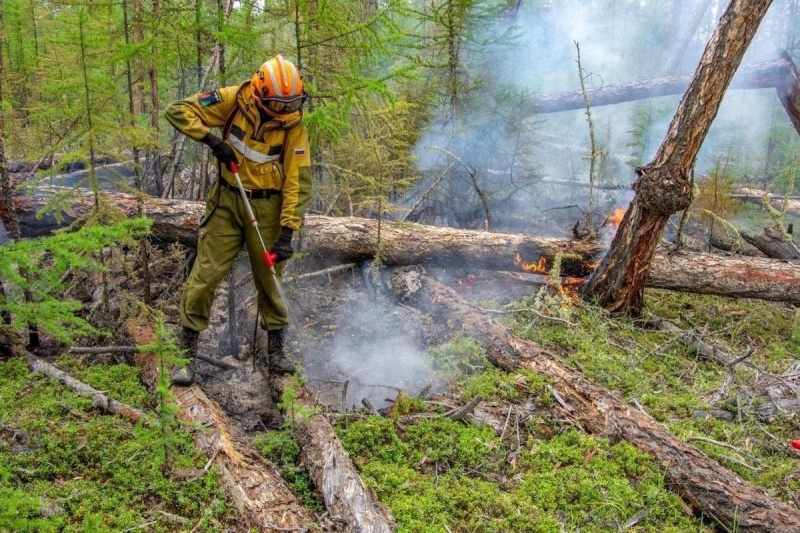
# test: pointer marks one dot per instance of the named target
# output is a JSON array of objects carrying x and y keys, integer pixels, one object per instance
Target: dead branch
[
  {"x": 461, "y": 413},
  {"x": 100, "y": 400}
]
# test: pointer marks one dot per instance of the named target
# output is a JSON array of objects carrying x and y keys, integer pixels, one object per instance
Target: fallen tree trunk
[
  {"x": 703, "y": 483},
  {"x": 778, "y": 75},
  {"x": 346, "y": 496},
  {"x": 791, "y": 205},
  {"x": 773, "y": 244},
  {"x": 100, "y": 399},
  {"x": 261, "y": 497},
  {"x": 352, "y": 240}
]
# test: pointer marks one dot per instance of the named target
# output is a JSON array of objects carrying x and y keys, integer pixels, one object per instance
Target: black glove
[
  {"x": 221, "y": 150},
  {"x": 283, "y": 246}
]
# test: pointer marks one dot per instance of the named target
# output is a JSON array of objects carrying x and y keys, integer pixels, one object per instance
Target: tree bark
[
  {"x": 261, "y": 497},
  {"x": 662, "y": 187},
  {"x": 333, "y": 473},
  {"x": 773, "y": 244},
  {"x": 352, "y": 240},
  {"x": 703, "y": 483}
]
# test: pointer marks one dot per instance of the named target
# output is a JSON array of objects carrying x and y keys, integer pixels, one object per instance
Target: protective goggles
[{"x": 284, "y": 106}]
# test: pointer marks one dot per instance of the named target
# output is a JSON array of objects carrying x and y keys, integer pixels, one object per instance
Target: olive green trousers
[{"x": 218, "y": 244}]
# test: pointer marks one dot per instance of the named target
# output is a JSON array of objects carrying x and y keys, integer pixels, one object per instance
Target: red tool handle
[
  {"x": 270, "y": 258},
  {"x": 796, "y": 444},
  {"x": 234, "y": 167}
]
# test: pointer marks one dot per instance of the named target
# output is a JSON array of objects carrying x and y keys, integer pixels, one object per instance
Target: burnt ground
[{"x": 351, "y": 339}]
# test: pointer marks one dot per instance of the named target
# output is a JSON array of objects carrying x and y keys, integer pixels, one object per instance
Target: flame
[
  {"x": 615, "y": 218},
  {"x": 567, "y": 287},
  {"x": 539, "y": 267}
]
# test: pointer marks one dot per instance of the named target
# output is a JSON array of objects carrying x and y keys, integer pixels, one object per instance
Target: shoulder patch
[{"x": 209, "y": 98}]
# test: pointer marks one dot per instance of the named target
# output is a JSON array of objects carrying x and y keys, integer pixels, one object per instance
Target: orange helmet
[{"x": 278, "y": 87}]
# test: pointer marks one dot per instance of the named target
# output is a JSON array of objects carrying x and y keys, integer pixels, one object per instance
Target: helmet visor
[{"x": 283, "y": 106}]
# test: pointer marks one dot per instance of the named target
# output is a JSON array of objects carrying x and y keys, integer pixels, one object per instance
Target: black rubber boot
[
  {"x": 187, "y": 340},
  {"x": 278, "y": 362}
]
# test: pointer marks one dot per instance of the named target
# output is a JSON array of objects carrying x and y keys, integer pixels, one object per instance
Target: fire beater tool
[{"x": 268, "y": 257}]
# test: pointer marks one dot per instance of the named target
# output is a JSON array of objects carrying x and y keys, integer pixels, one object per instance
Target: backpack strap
[{"x": 226, "y": 128}]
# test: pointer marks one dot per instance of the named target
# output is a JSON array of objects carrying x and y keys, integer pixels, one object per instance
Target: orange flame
[
  {"x": 539, "y": 267},
  {"x": 615, "y": 218}
]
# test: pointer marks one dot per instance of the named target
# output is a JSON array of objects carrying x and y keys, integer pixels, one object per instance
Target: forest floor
[{"x": 516, "y": 465}]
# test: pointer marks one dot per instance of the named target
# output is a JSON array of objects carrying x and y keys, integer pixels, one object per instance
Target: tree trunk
[
  {"x": 789, "y": 93},
  {"x": 333, "y": 473},
  {"x": 352, "y": 240},
  {"x": 703, "y": 483},
  {"x": 767, "y": 75},
  {"x": 261, "y": 497},
  {"x": 662, "y": 187}
]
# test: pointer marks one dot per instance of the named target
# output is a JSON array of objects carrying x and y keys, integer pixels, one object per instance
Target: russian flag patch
[{"x": 299, "y": 151}]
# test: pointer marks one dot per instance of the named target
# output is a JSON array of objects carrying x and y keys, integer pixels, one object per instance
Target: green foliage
[
  {"x": 458, "y": 359},
  {"x": 38, "y": 266},
  {"x": 404, "y": 404},
  {"x": 283, "y": 451},
  {"x": 712, "y": 201},
  {"x": 66, "y": 467},
  {"x": 289, "y": 400}
]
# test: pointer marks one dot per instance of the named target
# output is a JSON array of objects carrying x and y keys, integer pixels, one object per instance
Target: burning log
[
  {"x": 703, "y": 483},
  {"x": 353, "y": 240}
]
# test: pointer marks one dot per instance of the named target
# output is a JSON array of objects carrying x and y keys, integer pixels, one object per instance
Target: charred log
[
  {"x": 773, "y": 244},
  {"x": 261, "y": 497},
  {"x": 354, "y": 240},
  {"x": 701, "y": 482}
]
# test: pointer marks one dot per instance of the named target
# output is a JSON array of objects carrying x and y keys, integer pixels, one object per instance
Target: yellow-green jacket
[{"x": 272, "y": 154}]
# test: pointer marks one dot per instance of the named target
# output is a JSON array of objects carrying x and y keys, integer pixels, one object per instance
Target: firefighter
[{"x": 260, "y": 131}]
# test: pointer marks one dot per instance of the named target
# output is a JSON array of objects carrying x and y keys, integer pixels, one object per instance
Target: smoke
[
  {"x": 373, "y": 351},
  {"x": 499, "y": 140}
]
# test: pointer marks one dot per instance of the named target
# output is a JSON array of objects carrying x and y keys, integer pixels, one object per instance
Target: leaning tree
[{"x": 663, "y": 186}]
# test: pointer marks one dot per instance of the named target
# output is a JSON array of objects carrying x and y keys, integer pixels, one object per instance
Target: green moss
[
  {"x": 496, "y": 383},
  {"x": 93, "y": 471},
  {"x": 438, "y": 475},
  {"x": 282, "y": 450},
  {"x": 459, "y": 359}
]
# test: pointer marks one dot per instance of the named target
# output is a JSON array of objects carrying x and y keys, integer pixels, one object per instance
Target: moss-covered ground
[
  {"x": 64, "y": 466},
  {"x": 438, "y": 475}
]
